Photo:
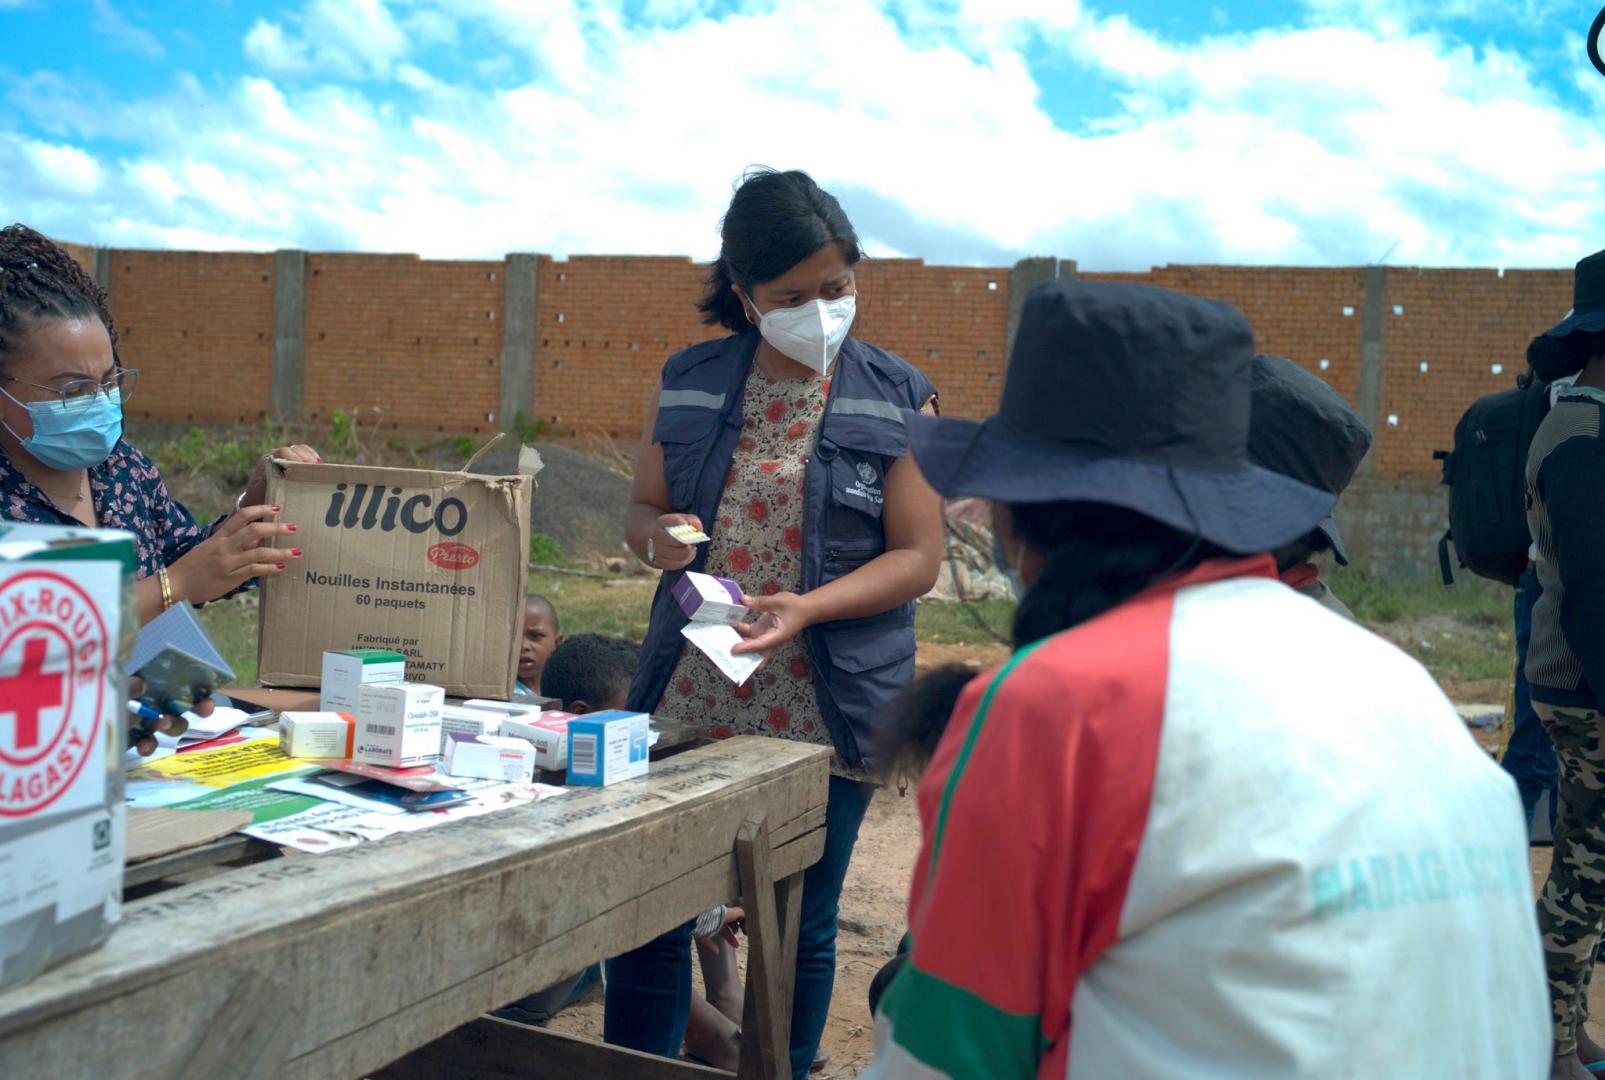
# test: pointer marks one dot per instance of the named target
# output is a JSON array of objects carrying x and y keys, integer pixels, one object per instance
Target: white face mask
[{"x": 810, "y": 333}]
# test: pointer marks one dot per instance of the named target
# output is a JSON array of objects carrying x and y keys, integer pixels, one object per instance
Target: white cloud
[
  {"x": 111, "y": 23},
  {"x": 1322, "y": 144},
  {"x": 69, "y": 169},
  {"x": 346, "y": 39}
]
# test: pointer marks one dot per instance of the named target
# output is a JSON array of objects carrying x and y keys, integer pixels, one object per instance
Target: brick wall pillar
[
  {"x": 1372, "y": 315},
  {"x": 520, "y": 309},
  {"x": 288, "y": 394},
  {"x": 1026, "y": 275}
]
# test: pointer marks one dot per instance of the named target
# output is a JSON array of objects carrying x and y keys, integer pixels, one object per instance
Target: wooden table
[{"x": 339, "y": 965}]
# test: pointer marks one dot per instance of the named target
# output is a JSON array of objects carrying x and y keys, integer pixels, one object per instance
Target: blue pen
[{"x": 143, "y": 711}]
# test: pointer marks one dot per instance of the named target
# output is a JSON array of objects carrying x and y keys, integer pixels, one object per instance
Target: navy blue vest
[{"x": 858, "y": 664}]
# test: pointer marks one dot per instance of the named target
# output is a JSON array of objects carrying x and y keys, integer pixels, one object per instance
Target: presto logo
[{"x": 368, "y": 508}]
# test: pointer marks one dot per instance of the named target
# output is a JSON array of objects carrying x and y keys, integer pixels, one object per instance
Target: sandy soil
[{"x": 872, "y": 922}]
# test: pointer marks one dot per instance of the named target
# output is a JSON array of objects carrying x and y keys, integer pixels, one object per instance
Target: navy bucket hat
[
  {"x": 1303, "y": 428},
  {"x": 1131, "y": 396},
  {"x": 1588, "y": 298}
]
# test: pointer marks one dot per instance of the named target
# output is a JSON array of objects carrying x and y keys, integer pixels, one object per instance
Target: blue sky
[{"x": 1310, "y": 132}]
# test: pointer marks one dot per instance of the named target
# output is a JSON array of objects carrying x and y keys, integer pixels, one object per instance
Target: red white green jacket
[{"x": 1218, "y": 831}]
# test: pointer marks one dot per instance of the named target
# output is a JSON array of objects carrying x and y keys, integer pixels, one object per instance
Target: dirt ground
[{"x": 872, "y": 921}]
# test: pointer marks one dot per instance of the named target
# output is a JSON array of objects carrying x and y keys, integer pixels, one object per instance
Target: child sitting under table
[
  {"x": 535, "y": 647},
  {"x": 592, "y": 673}
]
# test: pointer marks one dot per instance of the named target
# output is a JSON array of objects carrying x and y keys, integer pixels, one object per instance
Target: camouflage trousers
[{"x": 1571, "y": 909}]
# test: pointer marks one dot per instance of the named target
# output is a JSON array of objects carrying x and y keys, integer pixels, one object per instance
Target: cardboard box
[
  {"x": 606, "y": 747},
  {"x": 67, "y": 626},
  {"x": 705, "y": 598},
  {"x": 318, "y": 734},
  {"x": 548, "y": 734},
  {"x": 430, "y": 564},
  {"x": 347, "y": 671},
  {"x": 398, "y": 724},
  {"x": 489, "y": 757},
  {"x": 455, "y": 718}
]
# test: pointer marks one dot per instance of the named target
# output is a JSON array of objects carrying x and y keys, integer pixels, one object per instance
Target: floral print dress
[
  {"x": 757, "y": 541},
  {"x": 128, "y": 494}
]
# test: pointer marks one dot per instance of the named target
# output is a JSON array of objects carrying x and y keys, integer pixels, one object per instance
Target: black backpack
[{"x": 1487, "y": 477}]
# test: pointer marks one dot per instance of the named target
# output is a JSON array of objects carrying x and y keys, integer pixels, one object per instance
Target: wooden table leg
[
  {"x": 788, "y": 898},
  {"x": 766, "y": 1014}
]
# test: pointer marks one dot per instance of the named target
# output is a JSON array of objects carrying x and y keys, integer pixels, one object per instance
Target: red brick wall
[
  {"x": 604, "y": 327},
  {"x": 414, "y": 345},
  {"x": 608, "y": 324},
  {"x": 199, "y": 326},
  {"x": 1295, "y": 312},
  {"x": 945, "y": 320},
  {"x": 1460, "y": 323}
]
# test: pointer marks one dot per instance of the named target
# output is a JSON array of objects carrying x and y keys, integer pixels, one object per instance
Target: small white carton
[
  {"x": 469, "y": 720},
  {"x": 489, "y": 757},
  {"x": 705, "y": 598},
  {"x": 548, "y": 734},
  {"x": 344, "y": 673},
  {"x": 606, "y": 747},
  {"x": 398, "y": 724},
  {"x": 507, "y": 710},
  {"x": 317, "y": 734}
]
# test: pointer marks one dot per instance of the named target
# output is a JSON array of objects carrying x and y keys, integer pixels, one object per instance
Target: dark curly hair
[
  {"x": 39, "y": 280},
  {"x": 589, "y": 668},
  {"x": 914, "y": 722},
  {"x": 775, "y": 221}
]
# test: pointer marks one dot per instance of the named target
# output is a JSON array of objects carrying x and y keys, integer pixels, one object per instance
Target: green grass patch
[
  {"x": 986, "y": 622},
  {"x": 544, "y": 550},
  {"x": 231, "y": 624},
  {"x": 1378, "y": 602},
  {"x": 616, "y": 606}
]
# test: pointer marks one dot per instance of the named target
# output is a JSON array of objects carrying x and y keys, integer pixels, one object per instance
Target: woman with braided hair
[{"x": 63, "y": 460}]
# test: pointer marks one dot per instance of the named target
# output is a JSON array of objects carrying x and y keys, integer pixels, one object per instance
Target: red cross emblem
[
  {"x": 32, "y": 690},
  {"x": 54, "y": 646}
]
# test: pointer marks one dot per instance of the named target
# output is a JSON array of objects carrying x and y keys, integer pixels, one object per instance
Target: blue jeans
[
  {"x": 1529, "y": 755},
  {"x": 649, "y": 989}
]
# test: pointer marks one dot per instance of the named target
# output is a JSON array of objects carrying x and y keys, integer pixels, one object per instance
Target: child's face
[{"x": 540, "y": 638}]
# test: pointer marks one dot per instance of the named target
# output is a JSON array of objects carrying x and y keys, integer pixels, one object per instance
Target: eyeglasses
[{"x": 80, "y": 393}]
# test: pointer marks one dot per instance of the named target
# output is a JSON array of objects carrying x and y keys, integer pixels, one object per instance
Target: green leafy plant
[
  {"x": 228, "y": 455},
  {"x": 529, "y": 431},
  {"x": 544, "y": 550},
  {"x": 343, "y": 431}
]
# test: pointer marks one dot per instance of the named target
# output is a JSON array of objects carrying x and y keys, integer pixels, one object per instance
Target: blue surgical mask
[
  {"x": 80, "y": 437},
  {"x": 1011, "y": 572}
]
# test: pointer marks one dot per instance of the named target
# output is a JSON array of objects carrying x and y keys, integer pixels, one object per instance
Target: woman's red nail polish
[
  {"x": 275, "y": 509},
  {"x": 292, "y": 528},
  {"x": 296, "y": 552},
  {"x": 281, "y": 566}
]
